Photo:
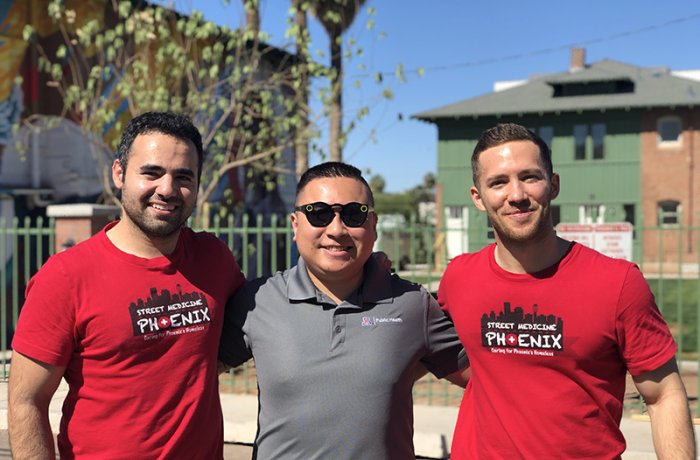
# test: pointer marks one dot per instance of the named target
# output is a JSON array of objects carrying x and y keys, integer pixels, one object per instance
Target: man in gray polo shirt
[{"x": 337, "y": 340}]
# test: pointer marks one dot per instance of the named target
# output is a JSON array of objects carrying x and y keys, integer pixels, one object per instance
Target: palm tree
[
  {"x": 252, "y": 16},
  {"x": 302, "y": 48},
  {"x": 336, "y": 16}
]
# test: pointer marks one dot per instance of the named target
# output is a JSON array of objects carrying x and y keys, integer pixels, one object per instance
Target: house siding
[{"x": 611, "y": 182}]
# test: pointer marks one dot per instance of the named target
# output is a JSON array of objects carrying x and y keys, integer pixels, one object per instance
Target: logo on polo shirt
[
  {"x": 517, "y": 332},
  {"x": 372, "y": 320},
  {"x": 162, "y": 314}
]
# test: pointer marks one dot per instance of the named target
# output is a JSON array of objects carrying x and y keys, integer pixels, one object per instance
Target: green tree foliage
[
  {"x": 405, "y": 203},
  {"x": 239, "y": 91},
  {"x": 377, "y": 184},
  {"x": 250, "y": 100},
  {"x": 424, "y": 192}
]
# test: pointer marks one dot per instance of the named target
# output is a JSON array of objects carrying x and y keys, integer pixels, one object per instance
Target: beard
[
  {"x": 155, "y": 226},
  {"x": 536, "y": 231}
]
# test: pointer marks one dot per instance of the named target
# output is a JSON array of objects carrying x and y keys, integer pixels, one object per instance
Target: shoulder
[
  {"x": 381, "y": 286},
  {"x": 407, "y": 294},
  {"x": 468, "y": 259},
  {"x": 57, "y": 284},
  {"x": 80, "y": 255},
  {"x": 258, "y": 298},
  {"x": 204, "y": 243},
  {"x": 400, "y": 286},
  {"x": 585, "y": 256},
  {"x": 267, "y": 287},
  {"x": 202, "y": 238}
]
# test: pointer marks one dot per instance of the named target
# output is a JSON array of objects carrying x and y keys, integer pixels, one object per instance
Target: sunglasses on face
[{"x": 321, "y": 214}]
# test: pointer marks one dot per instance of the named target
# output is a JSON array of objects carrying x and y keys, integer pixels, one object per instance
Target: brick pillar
[{"x": 78, "y": 222}]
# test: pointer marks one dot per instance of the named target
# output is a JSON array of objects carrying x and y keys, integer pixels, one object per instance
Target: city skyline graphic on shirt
[
  {"x": 165, "y": 312},
  {"x": 534, "y": 333}
]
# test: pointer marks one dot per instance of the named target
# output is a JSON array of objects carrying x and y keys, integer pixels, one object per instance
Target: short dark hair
[
  {"x": 172, "y": 124},
  {"x": 333, "y": 169},
  {"x": 509, "y": 132}
]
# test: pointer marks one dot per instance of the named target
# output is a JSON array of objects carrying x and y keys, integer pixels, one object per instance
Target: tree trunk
[
  {"x": 301, "y": 146},
  {"x": 336, "y": 17},
  {"x": 336, "y": 103},
  {"x": 252, "y": 16}
]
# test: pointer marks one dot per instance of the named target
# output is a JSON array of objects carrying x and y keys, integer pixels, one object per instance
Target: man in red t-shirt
[
  {"x": 131, "y": 318},
  {"x": 551, "y": 327}
]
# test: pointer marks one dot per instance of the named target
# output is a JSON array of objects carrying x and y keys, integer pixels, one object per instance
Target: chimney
[{"x": 578, "y": 59}]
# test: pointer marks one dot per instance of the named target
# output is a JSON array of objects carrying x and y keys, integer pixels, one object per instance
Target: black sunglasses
[{"x": 321, "y": 214}]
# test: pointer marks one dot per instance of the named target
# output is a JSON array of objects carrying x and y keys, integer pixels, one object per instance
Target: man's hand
[
  {"x": 221, "y": 367},
  {"x": 461, "y": 377},
  {"x": 383, "y": 260}
]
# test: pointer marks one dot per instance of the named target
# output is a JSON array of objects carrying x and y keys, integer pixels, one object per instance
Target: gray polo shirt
[{"x": 335, "y": 380}]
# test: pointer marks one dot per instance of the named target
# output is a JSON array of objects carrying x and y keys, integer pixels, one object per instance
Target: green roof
[{"x": 652, "y": 87}]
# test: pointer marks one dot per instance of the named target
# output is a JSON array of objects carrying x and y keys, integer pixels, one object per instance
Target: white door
[{"x": 456, "y": 224}]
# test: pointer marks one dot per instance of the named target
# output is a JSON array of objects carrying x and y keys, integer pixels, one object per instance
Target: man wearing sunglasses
[{"x": 338, "y": 339}]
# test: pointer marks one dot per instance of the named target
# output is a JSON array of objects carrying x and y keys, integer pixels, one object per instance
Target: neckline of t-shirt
[
  {"x": 541, "y": 275},
  {"x": 155, "y": 262}
]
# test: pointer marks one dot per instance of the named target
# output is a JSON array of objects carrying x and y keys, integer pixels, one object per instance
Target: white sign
[{"x": 613, "y": 240}]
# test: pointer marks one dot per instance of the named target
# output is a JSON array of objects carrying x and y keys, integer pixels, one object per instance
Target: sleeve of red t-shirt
[
  {"x": 442, "y": 289},
  {"x": 645, "y": 340},
  {"x": 46, "y": 325}
]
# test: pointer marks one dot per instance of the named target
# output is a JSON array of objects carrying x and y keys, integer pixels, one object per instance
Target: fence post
[{"x": 78, "y": 222}]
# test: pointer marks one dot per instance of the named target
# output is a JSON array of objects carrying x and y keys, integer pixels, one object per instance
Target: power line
[{"x": 541, "y": 51}]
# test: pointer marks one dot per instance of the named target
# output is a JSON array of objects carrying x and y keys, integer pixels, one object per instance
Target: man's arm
[
  {"x": 667, "y": 402},
  {"x": 32, "y": 384},
  {"x": 461, "y": 377},
  {"x": 234, "y": 348}
]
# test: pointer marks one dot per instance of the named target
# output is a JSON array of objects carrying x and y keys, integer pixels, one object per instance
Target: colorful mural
[
  {"x": 15, "y": 64},
  {"x": 71, "y": 175},
  {"x": 12, "y": 51}
]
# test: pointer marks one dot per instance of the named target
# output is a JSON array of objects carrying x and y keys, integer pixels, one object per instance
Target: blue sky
[{"x": 464, "y": 47}]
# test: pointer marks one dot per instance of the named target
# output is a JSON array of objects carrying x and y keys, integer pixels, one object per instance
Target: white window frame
[
  {"x": 591, "y": 214},
  {"x": 664, "y": 211},
  {"x": 455, "y": 212}
]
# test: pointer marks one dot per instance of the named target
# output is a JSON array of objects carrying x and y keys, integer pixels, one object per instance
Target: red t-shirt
[
  {"x": 548, "y": 353},
  {"x": 139, "y": 339}
]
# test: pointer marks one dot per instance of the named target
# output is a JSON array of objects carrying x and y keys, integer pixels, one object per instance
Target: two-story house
[{"x": 624, "y": 140}]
